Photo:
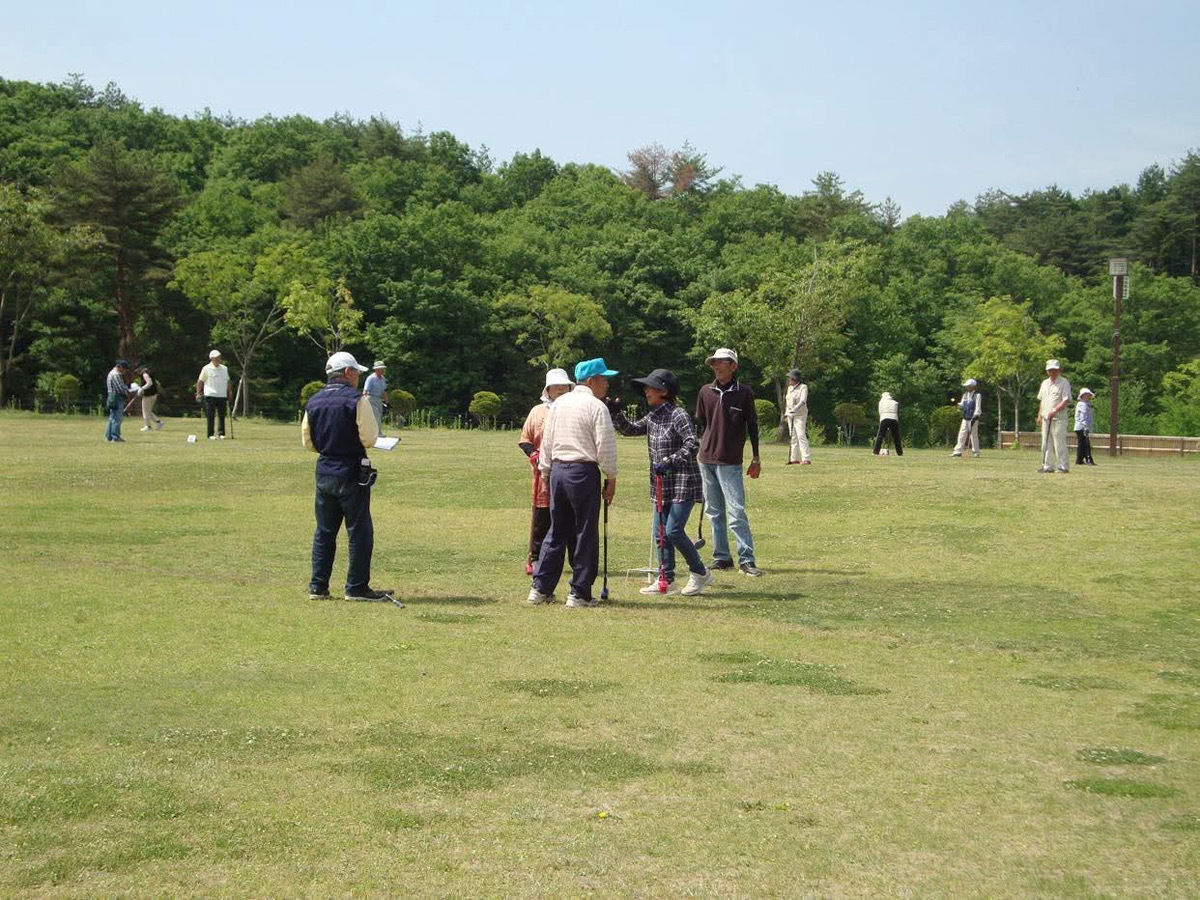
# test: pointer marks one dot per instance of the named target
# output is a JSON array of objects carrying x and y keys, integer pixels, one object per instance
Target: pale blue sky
[{"x": 927, "y": 101}]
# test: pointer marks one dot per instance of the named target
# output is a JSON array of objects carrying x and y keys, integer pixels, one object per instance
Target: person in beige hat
[
  {"x": 1053, "y": 397},
  {"x": 558, "y": 382},
  {"x": 375, "y": 390}
]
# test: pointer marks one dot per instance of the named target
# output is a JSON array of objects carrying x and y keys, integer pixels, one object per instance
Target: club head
[
  {"x": 698, "y": 543},
  {"x": 604, "y": 594}
]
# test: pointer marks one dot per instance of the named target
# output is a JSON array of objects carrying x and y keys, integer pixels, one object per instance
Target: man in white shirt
[
  {"x": 1053, "y": 397},
  {"x": 796, "y": 410},
  {"x": 215, "y": 388},
  {"x": 971, "y": 405},
  {"x": 579, "y": 448}
]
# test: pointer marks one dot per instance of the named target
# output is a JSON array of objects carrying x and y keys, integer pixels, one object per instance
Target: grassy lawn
[{"x": 957, "y": 677}]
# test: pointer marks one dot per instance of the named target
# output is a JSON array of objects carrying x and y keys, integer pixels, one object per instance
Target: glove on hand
[
  {"x": 660, "y": 468},
  {"x": 534, "y": 457},
  {"x": 614, "y": 404}
]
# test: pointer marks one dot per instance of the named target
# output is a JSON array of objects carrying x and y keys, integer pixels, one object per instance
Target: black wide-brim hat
[{"x": 661, "y": 379}]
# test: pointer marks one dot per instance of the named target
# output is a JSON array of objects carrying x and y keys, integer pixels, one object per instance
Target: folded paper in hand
[{"x": 386, "y": 443}]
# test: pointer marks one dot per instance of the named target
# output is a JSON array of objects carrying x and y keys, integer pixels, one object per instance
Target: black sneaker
[
  {"x": 370, "y": 596},
  {"x": 750, "y": 569},
  {"x": 318, "y": 595},
  {"x": 721, "y": 564}
]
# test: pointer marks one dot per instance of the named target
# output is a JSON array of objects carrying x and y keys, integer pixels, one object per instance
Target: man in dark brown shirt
[{"x": 725, "y": 412}]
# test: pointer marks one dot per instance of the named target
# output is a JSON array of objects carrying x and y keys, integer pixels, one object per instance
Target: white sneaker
[
  {"x": 144, "y": 428},
  {"x": 974, "y": 456},
  {"x": 574, "y": 602},
  {"x": 159, "y": 424},
  {"x": 220, "y": 437},
  {"x": 956, "y": 454},
  {"x": 212, "y": 437},
  {"x": 697, "y": 583},
  {"x": 652, "y": 588},
  {"x": 537, "y": 598}
]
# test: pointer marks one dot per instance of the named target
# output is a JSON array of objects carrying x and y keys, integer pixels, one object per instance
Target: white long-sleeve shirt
[
  {"x": 579, "y": 429},
  {"x": 796, "y": 400},
  {"x": 888, "y": 408}
]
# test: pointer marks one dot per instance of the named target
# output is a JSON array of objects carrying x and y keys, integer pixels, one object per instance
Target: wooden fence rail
[{"x": 1127, "y": 444}]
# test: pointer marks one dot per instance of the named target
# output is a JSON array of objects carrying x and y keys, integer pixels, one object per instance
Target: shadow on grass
[
  {"x": 419, "y": 600},
  {"x": 756, "y": 668}
]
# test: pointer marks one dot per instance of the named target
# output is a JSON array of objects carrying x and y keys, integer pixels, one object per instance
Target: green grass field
[{"x": 957, "y": 677}]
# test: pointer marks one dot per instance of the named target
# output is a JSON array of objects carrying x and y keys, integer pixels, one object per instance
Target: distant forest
[{"x": 131, "y": 232}]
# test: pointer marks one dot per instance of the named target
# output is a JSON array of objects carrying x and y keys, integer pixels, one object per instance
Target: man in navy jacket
[{"x": 339, "y": 424}]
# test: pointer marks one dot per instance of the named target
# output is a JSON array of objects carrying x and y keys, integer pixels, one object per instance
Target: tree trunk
[
  {"x": 780, "y": 395},
  {"x": 999, "y": 420},
  {"x": 125, "y": 338}
]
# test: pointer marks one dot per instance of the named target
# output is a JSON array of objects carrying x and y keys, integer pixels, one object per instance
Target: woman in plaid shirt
[{"x": 672, "y": 444}]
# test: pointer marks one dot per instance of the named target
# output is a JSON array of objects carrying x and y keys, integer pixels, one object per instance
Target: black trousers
[
  {"x": 892, "y": 427},
  {"x": 574, "y": 522},
  {"x": 538, "y": 531},
  {"x": 1083, "y": 448},
  {"x": 215, "y": 405}
]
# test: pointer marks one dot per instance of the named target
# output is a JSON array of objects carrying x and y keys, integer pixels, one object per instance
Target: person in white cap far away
[
  {"x": 375, "y": 390},
  {"x": 558, "y": 382},
  {"x": 725, "y": 411},
  {"x": 215, "y": 388},
  {"x": 971, "y": 405},
  {"x": 1084, "y": 422},
  {"x": 339, "y": 425},
  {"x": 1053, "y": 397}
]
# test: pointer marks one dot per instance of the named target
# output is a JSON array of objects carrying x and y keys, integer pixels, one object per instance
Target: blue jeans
[
  {"x": 675, "y": 516},
  {"x": 116, "y": 415},
  {"x": 725, "y": 499},
  {"x": 574, "y": 516},
  {"x": 342, "y": 500}
]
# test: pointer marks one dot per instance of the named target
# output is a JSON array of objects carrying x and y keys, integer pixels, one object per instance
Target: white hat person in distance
[
  {"x": 970, "y": 382},
  {"x": 341, "y": 361},
  {"x": 556, "y": 378},
  {"x": 1053, "y": 364},
  {"x": 722, "y": 353},
  {"x": 379, "y": 364},
  {"x": 214, "y": 354},
  {"x": 1087, "y": 391}
]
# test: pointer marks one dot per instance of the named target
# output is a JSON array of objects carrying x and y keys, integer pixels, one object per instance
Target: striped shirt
[
  {"x": 671, "y": 439},
  {"x": 579, "y": 429}
]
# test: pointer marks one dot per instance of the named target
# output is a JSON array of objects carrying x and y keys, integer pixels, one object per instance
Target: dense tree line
[{"x": 133, "y": 232}]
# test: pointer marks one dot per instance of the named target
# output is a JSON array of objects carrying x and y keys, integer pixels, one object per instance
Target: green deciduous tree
[
  {"x": 552, "y": 326},
  {"x": 1003, "y": 344}
]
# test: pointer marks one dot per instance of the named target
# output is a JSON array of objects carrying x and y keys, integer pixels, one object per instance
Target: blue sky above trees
[{"x": 928, "y": 102}]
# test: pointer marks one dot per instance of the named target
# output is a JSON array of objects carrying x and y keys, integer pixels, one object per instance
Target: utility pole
[{"x": 1119, "y": 270}]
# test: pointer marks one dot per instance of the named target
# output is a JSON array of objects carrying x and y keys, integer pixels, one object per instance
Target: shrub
[
  {"x": 485, "y": 406},
  {"x": 849, "y": 417},
  {"x": 402, "y": 401},
  {"x": 308, "y": 390},
  {"x": 66, "y": 391},
  {"x": 944, "y": 423},
  {"x": 43, "y": 390},
  {"x": 816, "y": 434},
  {"x": 768, "y": 414}
]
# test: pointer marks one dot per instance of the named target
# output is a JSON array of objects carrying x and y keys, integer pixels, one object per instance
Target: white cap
[
  {"x": 1083, "y": 391},
  {"x": 722, "y": 353},
  {"x": 340, "y": 361},
  {"x": 214, "y": 354},
  {"x": 970, "y": 382},
  {"x": 554, "y": 378},
  {"x": 379, "y": 364},
  {"x": 1052, "y": 364}
]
